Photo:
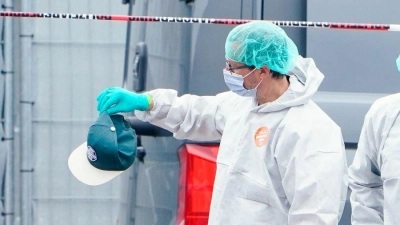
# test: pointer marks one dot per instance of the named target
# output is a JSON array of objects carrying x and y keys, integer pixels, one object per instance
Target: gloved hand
[
  {"x": 398, "y": 63},
  {"x": 116, "y": 99}
]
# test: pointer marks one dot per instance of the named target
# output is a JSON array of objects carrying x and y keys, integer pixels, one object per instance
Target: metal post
[
  {"x": 26, "y": 106},
  {"x": 8, "y": 115},
  {"x": 262, "y": 9},
  {"x": 127, "y": 44}
]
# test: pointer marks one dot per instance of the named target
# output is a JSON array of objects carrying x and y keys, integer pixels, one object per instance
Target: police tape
[{"x": 301, "y": 24}]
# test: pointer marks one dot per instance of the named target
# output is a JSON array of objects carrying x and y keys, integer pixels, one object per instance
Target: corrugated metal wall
[{"x": 73, "y": 61}]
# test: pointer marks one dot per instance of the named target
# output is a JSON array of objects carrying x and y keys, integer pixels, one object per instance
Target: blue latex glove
[
  {"x": 116, "y": 99},
  {"x": 398, "y": 63}
]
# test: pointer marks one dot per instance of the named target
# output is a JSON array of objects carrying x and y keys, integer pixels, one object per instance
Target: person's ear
[{"x": 264, "y": 72}]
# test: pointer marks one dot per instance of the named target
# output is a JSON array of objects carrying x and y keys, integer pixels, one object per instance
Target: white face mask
[{"x": 235, "y": 83}]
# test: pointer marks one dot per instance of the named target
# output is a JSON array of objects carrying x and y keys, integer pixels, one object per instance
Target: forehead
[{"x": 232, "y": 62}]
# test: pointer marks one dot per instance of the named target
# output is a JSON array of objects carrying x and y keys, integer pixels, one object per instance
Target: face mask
[{"x": 235, "y": 83}]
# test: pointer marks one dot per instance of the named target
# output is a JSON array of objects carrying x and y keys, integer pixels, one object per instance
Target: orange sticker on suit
[{"x": 261, "y": 136}]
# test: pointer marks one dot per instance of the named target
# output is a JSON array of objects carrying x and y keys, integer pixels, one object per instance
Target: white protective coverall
[
  {"x": 374, "y": 175},
  {"x": 278, "y": 163}
]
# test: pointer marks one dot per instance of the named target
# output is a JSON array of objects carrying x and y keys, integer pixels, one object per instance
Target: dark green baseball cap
[{"x": 109, "y": 150}]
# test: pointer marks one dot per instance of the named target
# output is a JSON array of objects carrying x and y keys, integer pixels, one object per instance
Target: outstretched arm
[{"x": 188, "y": 117}]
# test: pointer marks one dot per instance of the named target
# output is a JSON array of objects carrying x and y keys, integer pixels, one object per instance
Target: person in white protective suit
[
  {"x": 281, "y": 158},
  {"x": 374, "y": 175}
]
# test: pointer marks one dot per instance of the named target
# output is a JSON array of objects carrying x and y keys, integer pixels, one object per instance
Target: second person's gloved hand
[
  {"x": 116, "y": 99},
  {"x": 398, "y": 63}
]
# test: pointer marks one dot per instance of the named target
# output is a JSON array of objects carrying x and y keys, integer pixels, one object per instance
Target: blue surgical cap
[
  {"x": 260, "y": 43},
  {"x": 398, "y": 63}
]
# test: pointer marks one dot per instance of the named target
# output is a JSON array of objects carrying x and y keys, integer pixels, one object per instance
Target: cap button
[{"x": 112, "y": 128}]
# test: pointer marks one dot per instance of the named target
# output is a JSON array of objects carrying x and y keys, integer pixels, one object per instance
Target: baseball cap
[{"x": 110, "y": 149}]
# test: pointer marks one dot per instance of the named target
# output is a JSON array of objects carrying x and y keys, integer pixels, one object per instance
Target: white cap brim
[{"x": 86, "y": 173}]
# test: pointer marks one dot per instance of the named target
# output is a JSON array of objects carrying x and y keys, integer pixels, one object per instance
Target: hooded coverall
[
  {"x": 374, "y": 175},
  {"x": 279, "y": 163}
]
